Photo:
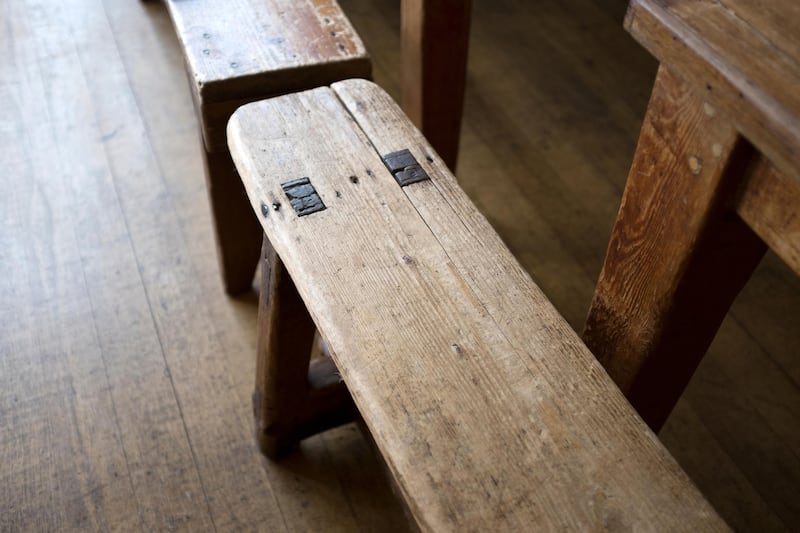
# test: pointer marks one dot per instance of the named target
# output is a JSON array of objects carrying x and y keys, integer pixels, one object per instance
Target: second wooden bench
[{"x": 238, "y": 52}]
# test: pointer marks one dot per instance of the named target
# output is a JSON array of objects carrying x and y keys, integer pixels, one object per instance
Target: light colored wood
[
  {"x": 488, "y": 409},
  {"x": 555, "y": 100},
  {"x": 770, "y": 204},
  {"x": 249, "y": 49},
  {"x": 208, "y": 413},
  {"x": 744, "y": 56},
  {"x": 435, "y": 40}
]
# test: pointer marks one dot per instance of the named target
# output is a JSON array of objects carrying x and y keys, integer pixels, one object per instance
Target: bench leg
[
  {"x": 238, "y": 233},
  {"x": 294, "y": 397},
  {"x": 678, "y": 254},
  {"x": 435, "y": 42}
]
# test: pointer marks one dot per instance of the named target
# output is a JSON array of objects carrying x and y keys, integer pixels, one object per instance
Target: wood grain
[
  {"x": 209, "y": 415},
  {"x": 662, "y": 293},
  {"x": 435, "y": 41},
  {"x": 482, "y": 400},
  {"x": 769, "y": 202},
  {"x": 744, "y": 56},
  {"x": 247, "y": 51},
  {"x": 169, "y": 378},
  {"x": 74, "y": 378},
  {"x": 252, "y": 49}
]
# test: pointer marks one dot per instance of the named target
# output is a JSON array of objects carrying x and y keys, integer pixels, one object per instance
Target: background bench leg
[
  {"x": 678, "y": 254},
  {"x": 294, "y": 397},
  {"x": 237, "y": 231},
  {"x": 435, "y": 43}
]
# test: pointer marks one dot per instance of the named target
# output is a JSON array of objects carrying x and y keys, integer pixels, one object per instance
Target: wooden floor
[{"x": 125, "y": 372}]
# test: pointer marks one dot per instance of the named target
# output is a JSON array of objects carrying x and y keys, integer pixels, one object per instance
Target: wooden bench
[
  {"x": 489, "y": 411},
  {"x": 238, "y": 52}
]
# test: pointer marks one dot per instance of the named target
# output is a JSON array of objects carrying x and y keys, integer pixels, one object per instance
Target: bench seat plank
[
  {"x": 240, "y": 50},
  {"x": 488, "y": 409}
]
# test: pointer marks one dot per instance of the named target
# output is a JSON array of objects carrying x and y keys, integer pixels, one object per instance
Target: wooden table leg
[
  {"x": 293, "y": 398},
  {"x": 237, "y": 231},
  {"x": 435, "y": 41},
  {"x": 678, "y": 254}
]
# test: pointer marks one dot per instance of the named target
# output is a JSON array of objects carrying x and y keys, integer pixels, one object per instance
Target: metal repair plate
[
  {"x": 303, "y": 196},
  {"x": 404, "y": 167}
]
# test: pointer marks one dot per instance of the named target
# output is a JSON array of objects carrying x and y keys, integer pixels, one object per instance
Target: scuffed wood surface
[
  {"x": 239, "y": 50},
  {"x": 117, "y": 409},
  {"x": 487, "y": 407},
  {"x": 743, "y": 55}
]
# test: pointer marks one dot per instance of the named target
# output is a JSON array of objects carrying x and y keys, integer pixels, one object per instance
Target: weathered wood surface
[
  {"x": 745, "y": 57},
  {"x": 487, "y": 407},
  {"x": 663, "y": 291},
  {"x": 435, "y": 41},
  {"x": 239, "y": 51}
]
